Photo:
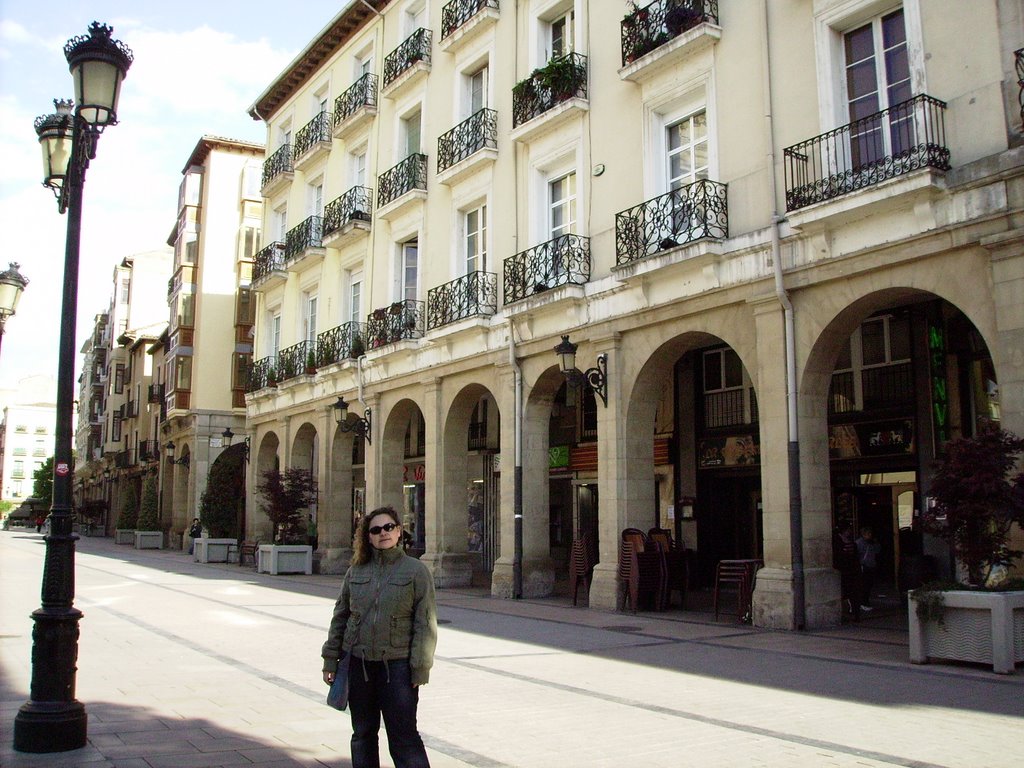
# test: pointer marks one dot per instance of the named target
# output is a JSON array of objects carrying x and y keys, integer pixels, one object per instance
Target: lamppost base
[{"x": 50, "y": 726}]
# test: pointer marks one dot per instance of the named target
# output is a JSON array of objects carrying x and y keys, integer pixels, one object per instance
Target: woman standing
[{"x": 386, "y": 618}]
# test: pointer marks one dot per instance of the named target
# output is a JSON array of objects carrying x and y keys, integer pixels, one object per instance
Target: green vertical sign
[{"x": 940, "y": 393}]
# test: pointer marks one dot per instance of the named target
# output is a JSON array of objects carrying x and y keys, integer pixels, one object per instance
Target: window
[
  {"x": 407, "y": 272},
  {"x": 309, "y": 301},
  {"x": 358, "y": 164},
  {"x": 872, "y": 369},
  {"x": 411, "y": 133},
  {"x": 245, "y": 308},
  {"x": 476, "y": 240},
  {"x": 18, "y": 469},
  {"x": 115, "y": 427},
  {"x": 190, "y": 251},
  {"x": 275, "y": 334},
  {"x": 476, "y": 91},
  {"x": 252, "y": 177},
  {"x": 562, "y": 205},
  {"x": 687, "y": 145},
  {"x": 281, "y": 223},
  {"x": 284, "y": 136},
  {"x": 562, "y": 34},
  {"x": 240, "y": 370},
  {"x": 355, "y": 297},
  {"x": 183, "y": 372},
  {"x": 248, "y": 242},
  {"x": 364, "y": 64},
  {"x": 415, "y": 17},
  {"x": 126, "y": 286},
  {"x": 722, "y": 370},
  {"x": 728, "y": 400},
  {"x": 118, "y": 378},
  {"x": 316, "y": 199}
]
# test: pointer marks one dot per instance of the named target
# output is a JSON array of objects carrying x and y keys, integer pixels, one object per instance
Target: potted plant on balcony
[
  {"x": 148, "y": 533},
  {"x": 358, "y": 348},
  {"x": 127, "y": 515},
  {"x": 310, "y": 363},
  {"x": 559, "y": 77},
  {"x": 271, "y": 377},
  {"x": 681, "y": 17},
  {"x": 285, "y": 495},
  {"x": 219, "y": 509},
  {"x": 976, "y": 499}
]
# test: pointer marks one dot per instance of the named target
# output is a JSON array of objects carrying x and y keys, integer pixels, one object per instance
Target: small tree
[
  {"x": 42, "y": 484},
  {"x": 128, "y": 509},
  {"x": 977, "y": 500},
  {"x": 285, "y": 494},
  {"x": 218, "y": 507},
  {"x": 149, "y": 515}
]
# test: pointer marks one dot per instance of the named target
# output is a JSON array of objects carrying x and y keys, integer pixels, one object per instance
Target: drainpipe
[
  {"x": 517, "y": 504},
  {"x": 796, "y": 523}
]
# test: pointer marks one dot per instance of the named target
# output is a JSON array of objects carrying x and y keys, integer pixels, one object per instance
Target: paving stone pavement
[{"x": 189, "y": 665}]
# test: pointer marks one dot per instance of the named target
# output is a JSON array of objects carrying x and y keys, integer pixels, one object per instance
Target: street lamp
[
  {"x": 184, "y": 460},
  {"x": 53, "y": 720},
  {"x": 12, "y": 283},
  {"x": 594, "y": 378},
  {"x": 361, "y": 426},
  {"x": 228, "y": 436}
]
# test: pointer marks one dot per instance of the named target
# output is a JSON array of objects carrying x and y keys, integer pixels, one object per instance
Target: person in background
[
  {"x": 847, "y": 562},
  {"x": 868, "y": 551},
  {"x": 194, "y": 532}
]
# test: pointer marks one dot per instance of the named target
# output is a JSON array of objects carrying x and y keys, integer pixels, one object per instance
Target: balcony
[
  {"x": 149, "y": 450},
  {"x": 551, "y": 96},
  {"x": 662, "y": 34},
  {"x": 347, "y": 218},
  {"x": 697, "y": 211},
  {"x": 296, "y": 360},
  {"x": 343, "y": 342},
  {"x": 565, "y": 260},
  {"x": 277, "y": 171},
  {"x": 268, "y": 270},
  {"x": 407, "y": 65},
  {"x": 387, "y": 325},
  {"x": 471, "y": 295},
  {"x": 262, "y": 373},
  {"x": 462, "y": 21},
  {"x": 155, "y": 393},
  {"x": 907, "y": 137},
  {"x": 402, "y": 186},
  {"x": 130, "y": 409},
  {"x": 467, "y": 147},
  {"x": 302, "y": 244},
  {"x": 124, "y": 459},
  {"x": 313, "y": 141},
  {"x": 356, "y": 107}
]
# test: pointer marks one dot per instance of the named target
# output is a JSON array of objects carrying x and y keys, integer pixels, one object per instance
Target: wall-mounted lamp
[
  {"x": 183, "y": 461},
  {"x": 595, "y": 378},
  {"x": 228, "y": 436},
  {"x": 360, "y": 426},
  {"x": 107, "y": 474}
]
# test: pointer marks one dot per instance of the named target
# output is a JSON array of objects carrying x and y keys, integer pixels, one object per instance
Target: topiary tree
[
  {"x": 218, "y": 507},
  {"x": 128, "y": 509},
  {"x": 149, "y": 514},
  {"x": 285, "y": 494}
]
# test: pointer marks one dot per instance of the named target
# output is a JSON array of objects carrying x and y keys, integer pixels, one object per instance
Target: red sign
[{"x": 62, "y": 469}]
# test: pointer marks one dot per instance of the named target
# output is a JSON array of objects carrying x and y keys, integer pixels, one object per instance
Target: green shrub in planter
[
  {"x": 149, "y": 519},
  {"x": 128, "y": 509}
]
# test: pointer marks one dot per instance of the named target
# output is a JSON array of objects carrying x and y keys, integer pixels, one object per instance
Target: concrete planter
[
  {"x": 149, "y": 539},
  {"x": 124, "y": 536},
  {"x": 284, "y": 558},
  {"x": 982, "y": 627},
  {"x": 213, "y": 550}
]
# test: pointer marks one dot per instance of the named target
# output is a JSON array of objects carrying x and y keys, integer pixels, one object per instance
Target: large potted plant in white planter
[
  {"x": 977, "y": 498},
  {"x": 148, "y": 534},
  {"x": 127, "y": 515},
  {"x": 285, "y": 495},
  {"x": 218, "y": 511}
]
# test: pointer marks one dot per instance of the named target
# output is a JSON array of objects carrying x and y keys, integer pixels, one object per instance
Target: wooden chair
[
  {"x": 248, "y": 549},
  {"x": 739, "y": 573},
  {"x": 677, "y": 565},
  {"x": 641, "y": 572},
  {"x": 581, "y": 568}
]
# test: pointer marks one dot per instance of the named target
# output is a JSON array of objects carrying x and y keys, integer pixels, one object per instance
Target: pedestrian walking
[
  {"x": 868, "y": 551},
  {"x": 40, "y": 519},
  {"x": 386, "y": 619},
  {"x": 194, "y": 532}
]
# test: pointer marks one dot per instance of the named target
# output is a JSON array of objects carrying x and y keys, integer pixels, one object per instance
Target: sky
[{"x": 198, "y": 66}]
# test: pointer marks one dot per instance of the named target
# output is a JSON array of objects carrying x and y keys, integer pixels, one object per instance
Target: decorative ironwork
[
  {"x": 362, "y": 93},
  {"x": 903, "y": 138},
  {"x": 262, "y": 373},
  {"x": 343, "y": 342},
  {"x": 1018, "y": 56},
  {"x": 414, "y": 48},
  {"x": 155, "y": 393},
  {"x": 458, "y": 12},
  {"x": 302, "y": 237},
  {"x": 354, "y": 205},
  {"x": 655, "y": 24},
  {"x": 278, "y": 163},
  {"x": 316, "y": 130},
  {"x": 401, "y": 320},
  {"x": 270, "y": 259},
  {"x": 408, "y": 175},
  {"x": 561, "y": 261},
  {"x": 559, "y": 80},
  {"x": 471, "y": 135},
  {"x": 149, "y": 450},
  {"x": 295, "y": 360},
  {"x": 466, "y": 296},
  {"x": 693, "y": 212},
  {"x": 124, "y": 459}
]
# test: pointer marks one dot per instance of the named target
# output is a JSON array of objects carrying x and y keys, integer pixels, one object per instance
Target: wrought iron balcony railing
[
  {"x": 316, "y": 130},
  {"x": 295, "y": 360},
  {"x": 903, "y": 138},
  {"x": 408, "y": 175},
  {"x": 458, "y": 12},
  {"x": 149, "y": 450},
  {"x": 414, "y": 48},
  {"x": 471, "y": 135},
  {"x": 362, "y": 93},
  {"x": 124, "y": 459},
  {"x": 401, "y": 320},
  {"x": 306, "y": 235},
  {"x": 278, "y": 163},
  {"x": 655, "y": 24},
  {"x": 466, "y": 296},
  {"x": 155, "y": 393},
  {"x": 1018, "y": 58},
  {"x": 354, "y": 205},
  {"x": 262, "y": 373},
  {"x": 561, "y": 261},
  {"x": 270, "y": 259},
  {"x": 559, "y": 80},
  {"x": 343, "y": 342},
  {"x": 689, "y": 213}
]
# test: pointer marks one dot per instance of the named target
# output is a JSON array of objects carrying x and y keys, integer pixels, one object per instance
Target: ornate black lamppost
[
  {"x": 53, "y": 720},
  {"x": 12, "y": 283},
  {"x": 361, "y": 426},
  {"x": 595, "y": 378}
]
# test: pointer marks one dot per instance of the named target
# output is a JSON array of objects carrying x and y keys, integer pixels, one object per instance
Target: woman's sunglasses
[{"x": 389, "y": 527}]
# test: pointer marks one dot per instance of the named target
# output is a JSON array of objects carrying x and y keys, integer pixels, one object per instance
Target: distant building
[{"x": 26, "y": 435}]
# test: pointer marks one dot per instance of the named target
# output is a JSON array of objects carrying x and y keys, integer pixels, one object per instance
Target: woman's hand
[{"x": 329, "y": 677}]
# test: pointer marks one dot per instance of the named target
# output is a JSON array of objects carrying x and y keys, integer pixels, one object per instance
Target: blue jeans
[{"x": 376, "y": 689}]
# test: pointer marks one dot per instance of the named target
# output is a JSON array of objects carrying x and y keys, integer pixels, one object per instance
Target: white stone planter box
[
  {"x": 213, "y": 550},
  {"x": 983, "y": 627},
  {"x": 284, "y": 558},
  {"x": 124, "y": 536},
  {"x": 149, "y": 539}
]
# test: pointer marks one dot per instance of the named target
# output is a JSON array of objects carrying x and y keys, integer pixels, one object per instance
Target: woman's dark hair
[{"x": 362, "y": 549}]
